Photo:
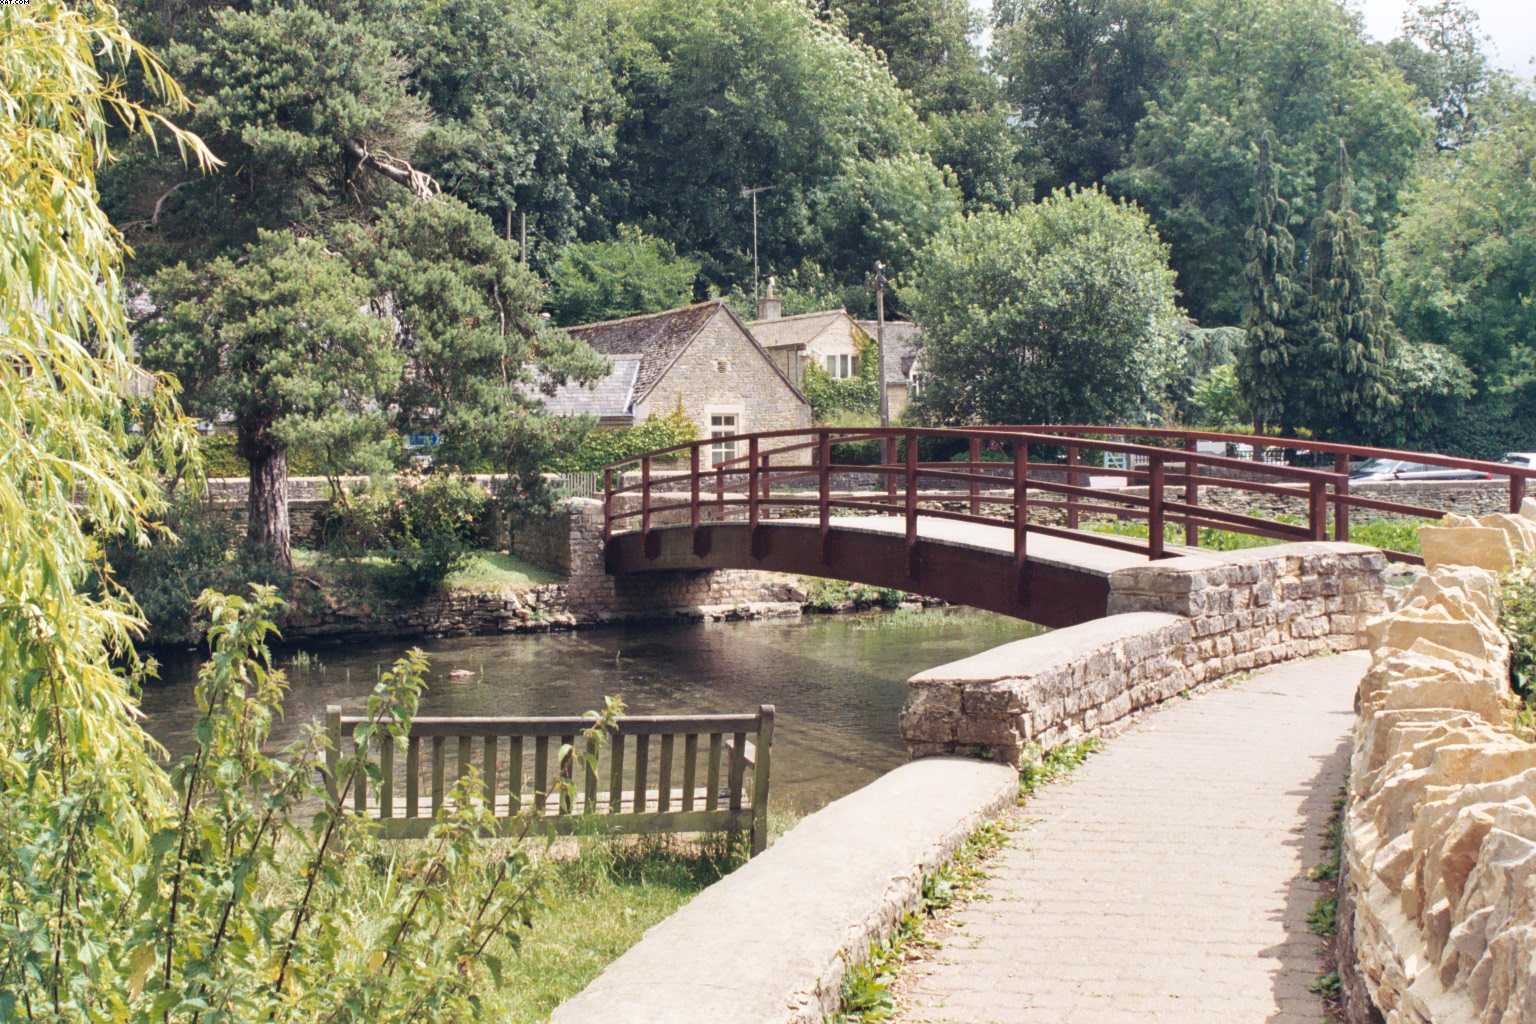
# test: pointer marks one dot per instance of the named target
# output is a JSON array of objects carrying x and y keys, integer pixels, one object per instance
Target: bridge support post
[
  {"x": 1516, "y": 493},
  {"x": 975, "y": 469},
  {"x": 1191, "y": 490},
  {"x": 1341, "y": 492},
  {"x": 911, "y": 509},
  {"x": 1021, "y": 519},
  {"x": 645, "y": 505},
  {"x": 1072, "y": 479},
  {"x": 1155, "y": 531},
  {"x": 695, "y": 512},
  {"x": 1317, "y": 509},
  {"x": 824, "y": 497},
  {"x": 753, "y": 509}
]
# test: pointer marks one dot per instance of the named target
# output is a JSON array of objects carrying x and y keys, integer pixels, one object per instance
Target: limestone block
[
  {"x": 1528, "y": 509},
  {"x": 1520, "y": 530},
  {"x": 1481, "y": 546}
]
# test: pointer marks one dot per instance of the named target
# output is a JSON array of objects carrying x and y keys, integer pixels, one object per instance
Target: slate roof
[
  {"x": 656, "y": 338},
  {"x": 902, "y": 342},
  {"x": 793, "y": 330},
  {"x": 612, "y": 398}
]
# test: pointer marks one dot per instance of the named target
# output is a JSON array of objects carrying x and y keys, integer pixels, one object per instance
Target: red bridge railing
[{"x": 792, "y": 473}]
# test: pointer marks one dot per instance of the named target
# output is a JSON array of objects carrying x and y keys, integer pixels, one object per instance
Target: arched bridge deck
[{"x": 998, "y": 525}]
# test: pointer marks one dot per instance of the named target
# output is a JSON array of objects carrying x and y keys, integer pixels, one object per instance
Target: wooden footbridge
[{"x": 1005, "y": 523}]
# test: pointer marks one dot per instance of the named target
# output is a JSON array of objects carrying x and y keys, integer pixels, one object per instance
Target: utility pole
[
  {"x": 752, "y": 192},
  {"x": 880, "y": 281}
]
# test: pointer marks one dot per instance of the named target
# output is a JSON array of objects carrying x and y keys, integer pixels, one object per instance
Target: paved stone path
[{"x": 1165, "y": 879}]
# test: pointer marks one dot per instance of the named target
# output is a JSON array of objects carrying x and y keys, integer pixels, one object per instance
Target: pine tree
[
  {"x": 1270, "y": 362},
  {"x": 1350, "y": 325}
]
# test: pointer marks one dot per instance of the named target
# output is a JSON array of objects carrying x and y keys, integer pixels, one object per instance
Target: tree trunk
[{"x": 267, "y": 533}]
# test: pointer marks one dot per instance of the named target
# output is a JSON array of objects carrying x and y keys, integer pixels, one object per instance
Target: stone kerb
[
  {"x": 1173, "y": 625},
  {"x": 1437, "y": 914}
]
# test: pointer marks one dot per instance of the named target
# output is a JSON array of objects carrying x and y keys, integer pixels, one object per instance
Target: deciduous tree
[
  {"x": 1060, "y": 311},
  {"x": 633, "y": 273},
  {"x": 1270, "y": 370}
]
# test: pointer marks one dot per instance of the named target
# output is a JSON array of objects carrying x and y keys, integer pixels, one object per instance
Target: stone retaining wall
[
  {"x": 1438, "y": 898},
  {"x": 570, "y": 541},
  {"x": 1174, "y": 625}
]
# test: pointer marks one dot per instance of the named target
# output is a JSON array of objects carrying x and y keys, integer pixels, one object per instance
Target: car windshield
[
  {"x": 1519, "y": 458},
  {"x": 1378, "y": 466}
]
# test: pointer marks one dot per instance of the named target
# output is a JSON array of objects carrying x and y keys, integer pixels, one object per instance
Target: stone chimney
[{"x": 770, "y": 307}]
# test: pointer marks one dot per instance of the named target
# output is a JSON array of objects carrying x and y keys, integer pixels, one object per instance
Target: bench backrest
[{"x": 654, "y": 773}]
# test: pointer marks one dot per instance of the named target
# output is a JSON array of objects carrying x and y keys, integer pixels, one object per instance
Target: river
[{"x": 838, "y": 682}]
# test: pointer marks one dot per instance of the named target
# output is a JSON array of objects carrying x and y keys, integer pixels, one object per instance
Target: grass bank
[{"x": 1388, "y": 534}]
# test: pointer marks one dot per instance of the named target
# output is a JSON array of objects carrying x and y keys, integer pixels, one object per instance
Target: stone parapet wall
[
  {"x": 1438, "y": 897},
  {"x": 1174, "y": 625}
]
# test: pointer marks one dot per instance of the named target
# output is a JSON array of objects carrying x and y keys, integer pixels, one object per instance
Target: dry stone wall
[
  {"x": 1174, "y": 625},
  {"x": 1438, "y": 901}
]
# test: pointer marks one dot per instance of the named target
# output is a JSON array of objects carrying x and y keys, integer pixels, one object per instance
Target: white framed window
[
  {"x": 842, "y": 366},
  {"x": 722, "y": 425}
]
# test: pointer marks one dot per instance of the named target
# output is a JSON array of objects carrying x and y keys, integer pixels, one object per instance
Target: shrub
[
  {"x": 605, "y": 447},
  {"x": 439, "y": 519},
  {"x": 351, "y": 524},
  {"x": 200, "y": 550},
  {"x": 860, "y": 393},
  {"x": 221, "y": 460},
  {"x": 1518, "y": 621}
]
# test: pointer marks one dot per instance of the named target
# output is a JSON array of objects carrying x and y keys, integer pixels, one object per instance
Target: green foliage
[
  {"x": 1062, "y": 311},
  {"x": 1350, "y": 328},
  {"x": 1301, "y": 69},
  {"x": 1321, "y": 919},
  {"x": 885, "y": 209},
  {"x": 857, "y": 395},
  {"x": 522, "y": 105},
  {"x": 605, "y": 447},
  {"x": 439, "y": 519},
  {"x": 1441, "y": 54},
  {"x": 84, "y": 791},
  {"x": 1517, "y": 620},
  {"x": 198, "y": 550},
  {"x": 727, "y": 94},
  {"x": 1461, "y": 262},
  {"x": 926, "y": 44},
  {"x": 1433, "y": 388},
  {"x": 634, "y": 273},
  {"x": 1387, "y": 534},
  {"x": 280, "y": 339},
  {"x": 425, "y": 526},
  {"x": 1080, "y": 76},
  {"x": 1326, "y": 985},
  {"x": 828, "y": 595},
  {"x": 1218, "y": 401},
  {"x": 469, "y": 325},
  {"x": 1045, "y": 767},
  {"x": 1270, "y": 372}
]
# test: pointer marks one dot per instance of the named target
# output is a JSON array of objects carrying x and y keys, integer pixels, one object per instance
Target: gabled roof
[
  {"x": 903, "y": 340},
  {"x": 795, "y": 330},
  {"x": 657, "y": 340},
  {"x": 611, "y": 399}
]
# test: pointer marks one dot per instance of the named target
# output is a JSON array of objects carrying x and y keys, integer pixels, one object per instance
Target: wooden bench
[{"x": 711, "y": 792}]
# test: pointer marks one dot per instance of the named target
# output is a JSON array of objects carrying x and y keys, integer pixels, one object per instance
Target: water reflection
[{"x": 838, "y": 682}]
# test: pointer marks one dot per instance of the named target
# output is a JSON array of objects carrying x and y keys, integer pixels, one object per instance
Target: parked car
[
  {"x": 1401, "y": 469},
  {"x": 1525, "y": 460}
]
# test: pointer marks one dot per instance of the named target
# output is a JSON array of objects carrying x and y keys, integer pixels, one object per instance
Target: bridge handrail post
[
  {"x": 693, "y": 486},
  {"x": 1020, "y": 504},
  {"x": 1072, "y": 479},
  {"x": 824, "y": 481},
  {"x": 1191, "y": 490},
  {"x": 975, "y": 468},
  {"x": 645, "y": 497},
  {"x": 1516, "y": 493},
  {"x": 911, "y": 478},
  {"x": 752, "y": 509},
  {"x": 766, "y": 476},
  {"x": 607, "y": 504},
  {"x": 889, "y": 461},
  {"x": 1317, "y": 509},
  {"x": 1341, "y": 493},
  {"x": 1155, "y": 510}
]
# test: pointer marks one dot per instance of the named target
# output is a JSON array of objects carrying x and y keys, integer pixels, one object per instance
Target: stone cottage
[
  {"x": 831, "y": 340},
  {"x": 700, "y": 358}
]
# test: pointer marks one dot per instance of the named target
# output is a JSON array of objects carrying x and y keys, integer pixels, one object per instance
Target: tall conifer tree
[
  {"x": 1350, "y": 325},
  {"x": 1271, "y": 358}
]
